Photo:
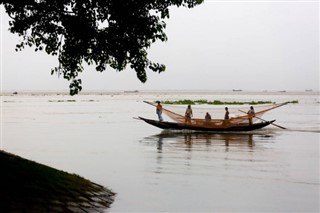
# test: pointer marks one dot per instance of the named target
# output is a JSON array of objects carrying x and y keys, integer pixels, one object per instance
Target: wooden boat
[
  {"x": 235, "y": 124},
  {"x": 217, "y": 128}
]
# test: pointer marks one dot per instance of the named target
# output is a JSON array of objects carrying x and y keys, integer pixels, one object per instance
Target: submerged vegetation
[
  {"x": 214, "y": 102},
  {"x": 218, "y": 102},
  {"x": 26, "y": 186}
]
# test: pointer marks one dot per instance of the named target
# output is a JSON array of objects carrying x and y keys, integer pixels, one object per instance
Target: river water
[{"x": 94, "y": 135}]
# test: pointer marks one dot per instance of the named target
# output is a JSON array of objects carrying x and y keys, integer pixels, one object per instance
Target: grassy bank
[{"x": 26, "y": 186}]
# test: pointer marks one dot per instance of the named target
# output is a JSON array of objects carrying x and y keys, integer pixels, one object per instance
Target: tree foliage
[{"x": 113, "y": 33}]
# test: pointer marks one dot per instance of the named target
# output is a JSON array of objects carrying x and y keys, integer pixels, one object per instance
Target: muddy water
[{"x": 94, "y": 135}]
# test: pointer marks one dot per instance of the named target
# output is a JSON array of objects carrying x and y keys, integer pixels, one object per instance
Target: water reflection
[
  {"x": 191, "y": 140},
  {"x": 190, "y": 153}
]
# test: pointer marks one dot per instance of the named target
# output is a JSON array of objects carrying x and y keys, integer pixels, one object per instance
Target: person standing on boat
[
  {"x": 159, "y": 111},
  {"x": 226, "y": 115},
  {"x": 251, "y": 114},
  {"x": 188, "y": 114},
  {"x": 207, "y": 117}
]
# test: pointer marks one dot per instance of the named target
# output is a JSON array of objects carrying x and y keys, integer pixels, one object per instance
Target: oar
[{"x": 265, "y": 120}]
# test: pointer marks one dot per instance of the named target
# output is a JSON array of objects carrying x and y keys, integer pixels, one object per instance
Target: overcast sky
[{"x": 219, "y": 45}]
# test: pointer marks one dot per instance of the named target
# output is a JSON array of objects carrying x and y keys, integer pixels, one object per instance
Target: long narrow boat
[
  {"x": 234, "y": 124},
  {"x": 218, "y": 128}
]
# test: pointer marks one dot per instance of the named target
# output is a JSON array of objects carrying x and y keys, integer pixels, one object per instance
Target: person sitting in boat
[
  {"x": 226, "y": 114},
  {"x": 251, "y": 114},
  {"x": 188, "y": 114},
  {"x": 159, "y": 111},
  {"x": 207, "y": 117}
]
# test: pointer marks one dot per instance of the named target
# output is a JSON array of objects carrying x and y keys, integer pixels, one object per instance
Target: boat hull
[{"x": 182, "y": 126}]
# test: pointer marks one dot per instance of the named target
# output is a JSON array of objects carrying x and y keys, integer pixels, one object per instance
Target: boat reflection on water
[
  {"x": 196, "y": 140},
  {"x": 189, "y": 153}
]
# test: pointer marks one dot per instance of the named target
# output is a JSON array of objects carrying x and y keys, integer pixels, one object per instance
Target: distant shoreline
[{"x": 141, "y": 92}]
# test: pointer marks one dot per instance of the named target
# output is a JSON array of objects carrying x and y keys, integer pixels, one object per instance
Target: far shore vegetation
[
  {"x": 218, "y": 102},
  {"x": 27, "y": 186}
]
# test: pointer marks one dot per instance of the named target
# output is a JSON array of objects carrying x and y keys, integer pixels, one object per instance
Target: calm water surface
[{"x": 94, "y": 135}]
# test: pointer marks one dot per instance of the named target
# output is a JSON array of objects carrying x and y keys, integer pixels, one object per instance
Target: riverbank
[{"x": 26, "y": 186}]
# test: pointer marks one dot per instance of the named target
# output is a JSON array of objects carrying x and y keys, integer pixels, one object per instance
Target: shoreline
[
  {"x": 150, "y": 92},
  {"x": 27, "y": 186}
]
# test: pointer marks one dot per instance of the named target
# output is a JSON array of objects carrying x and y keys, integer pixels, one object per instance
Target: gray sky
[{"x": 219, "y": 45}]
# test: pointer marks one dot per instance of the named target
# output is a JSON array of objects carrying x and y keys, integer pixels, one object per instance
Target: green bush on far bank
[{"x": 218, "y": 102}]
